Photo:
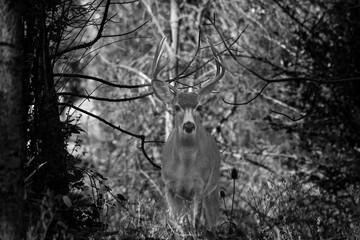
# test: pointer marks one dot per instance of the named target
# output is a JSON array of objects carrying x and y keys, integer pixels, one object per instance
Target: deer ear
[
  {"x": 204, "y": 92},
  {"x": 162, "y": 91}
]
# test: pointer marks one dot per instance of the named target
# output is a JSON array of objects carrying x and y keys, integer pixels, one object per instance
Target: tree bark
[{"x": 12, "y": 122}]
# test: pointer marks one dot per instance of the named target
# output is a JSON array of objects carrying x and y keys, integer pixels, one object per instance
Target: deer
[{"x": 190, "y": 166}]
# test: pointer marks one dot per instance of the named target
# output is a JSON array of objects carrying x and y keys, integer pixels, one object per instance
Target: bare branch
[
  {"x": 127, "y": 33},
  {"x": 125, "y": 2},
  {"x": 246, "y": 158},
  {"x": 250, "y": 100},
  {"x": 136, "y": 71},
  {"x": 104, "y": 99},
  {"x": 92, "y": 42},
  {"x": 72, "y": 75},
  {"x": 300, "y": 79},
  {"x": 307, "y": 113},
  {"x": 180, "y": 75},
  {"x": 157, "y": 24},
  {"x": 319, "y": 81},
  {"x": 286, "y": 11},
  {"x": 99, "y": 35},
  {"x": 232, "y": 111},
  {"x": 110, "y": 43}
]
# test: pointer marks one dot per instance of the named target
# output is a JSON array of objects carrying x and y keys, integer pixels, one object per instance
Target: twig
[
  {"x": 307, "y": 113},
  {"x": 127, "y": 33},
  {"x": 151, "y": 181},
  {"x": 136, "y": 71},
  {"x": 251, "y": 99},
  {"x": 37, "y": 168}
]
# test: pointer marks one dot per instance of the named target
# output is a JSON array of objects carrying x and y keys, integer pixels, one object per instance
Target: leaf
[
  {"x": 101, "y": 176},
  {"x": 67, "y": 201},
  {"x": 121, "y": 197}
]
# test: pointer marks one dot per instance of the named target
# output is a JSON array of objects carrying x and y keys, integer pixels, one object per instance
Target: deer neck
[{"x": 189, "y": 141}]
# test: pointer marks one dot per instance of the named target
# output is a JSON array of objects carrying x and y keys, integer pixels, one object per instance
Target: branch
[
  {"x": 300, "y": 79},
  {"x": 250, "y": 100},
  {"x": 174, "y": 26},
  {"x": 307, "y": 113},
  {"x": 123, "y": 34},
  {"x": 10, "y": 45},
  {"x": 99, "y": 33},
  {"x": 126, "y": 2},
  {"x": 141, "y": 137},
  {"x": 232, "y": 112},
  {"x": 73, "y": 75},
  {"x": 246, "y": 158},
  {"x": 292, "y": 16},
  {"x": 258, "y": 164},
  {"x": 157, "y": 24},
  {"x": 180, "y": 75},
  {"x": 319, "y": 81},
  {"x": 136, "y": 71},
  {"x": 110, "y": 43},
  {"x": 104, "y": 99},
  {"x": 92, "y": 42}
]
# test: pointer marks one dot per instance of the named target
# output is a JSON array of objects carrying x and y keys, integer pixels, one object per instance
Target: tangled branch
[{"x": 318, "y": 81}]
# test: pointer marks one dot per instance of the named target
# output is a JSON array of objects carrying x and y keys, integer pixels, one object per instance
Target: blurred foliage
[{"x": 296, "y": 179}]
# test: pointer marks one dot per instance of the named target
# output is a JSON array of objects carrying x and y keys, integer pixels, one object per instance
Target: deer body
[
  {"x": 190, "y": 171},
  {"x": 191, "y": 157}
]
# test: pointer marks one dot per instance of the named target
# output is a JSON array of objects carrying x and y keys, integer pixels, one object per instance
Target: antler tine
[
  {"x": 219, "y": 64},
  {"x": 156, "y": 68}
]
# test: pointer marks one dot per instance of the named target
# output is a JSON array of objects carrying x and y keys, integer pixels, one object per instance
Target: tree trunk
[
  {"x": 174, "y": 24},
  {"x": 12, "y": 122},
  {"x": 48, "y": 129}
]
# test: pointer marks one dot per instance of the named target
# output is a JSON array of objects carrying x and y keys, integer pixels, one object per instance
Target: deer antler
[
  {"x": 220, "y": 71},
  {"x": 219, "y": 64},
  {"x": 156, "y": 68}
]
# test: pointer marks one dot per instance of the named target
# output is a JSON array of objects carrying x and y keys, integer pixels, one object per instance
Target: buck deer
[{"x": 191, "y": 157}]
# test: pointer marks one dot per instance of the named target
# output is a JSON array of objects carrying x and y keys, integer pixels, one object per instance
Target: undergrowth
[{"x": 284, "y": 209}]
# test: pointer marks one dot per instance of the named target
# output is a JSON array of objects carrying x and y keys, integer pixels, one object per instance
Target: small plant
[
  {"x": 238, "y": 224},
  {"x": 296, "y": 210}
]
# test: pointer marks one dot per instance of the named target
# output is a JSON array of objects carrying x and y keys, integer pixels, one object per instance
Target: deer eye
[
  {"x": 199, "y": 108},
  {"x": 177, "y": 108}
]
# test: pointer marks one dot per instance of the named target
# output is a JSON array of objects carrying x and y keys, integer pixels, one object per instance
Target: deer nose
[{"x": 189, "y": 127}]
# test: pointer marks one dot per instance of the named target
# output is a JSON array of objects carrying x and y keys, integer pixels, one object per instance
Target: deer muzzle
[
  {"x": 188, "y": 122},
  {"x": 189, "y": 127}
]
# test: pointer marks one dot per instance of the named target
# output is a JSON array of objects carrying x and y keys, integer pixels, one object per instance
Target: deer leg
[
  {"x": 197, "y": 208},
  {"x": 176, "y": 204},
  {"x": 211, "y": 206}
]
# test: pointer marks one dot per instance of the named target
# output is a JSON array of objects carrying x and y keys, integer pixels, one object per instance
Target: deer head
[{"x": 185, "y": 105}]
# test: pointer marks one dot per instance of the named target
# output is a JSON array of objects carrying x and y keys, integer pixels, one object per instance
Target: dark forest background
[{"x": 81, "y": 133}]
